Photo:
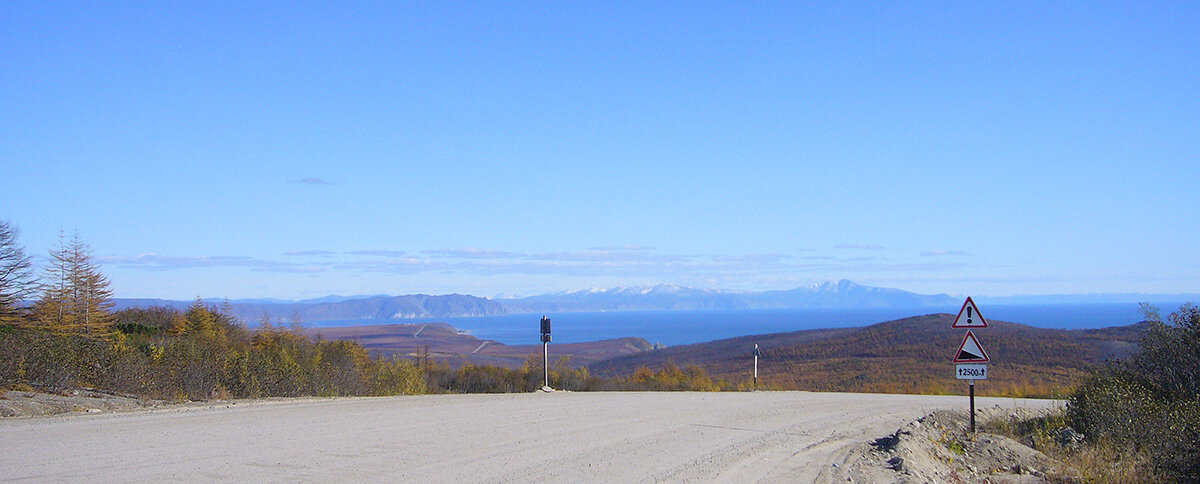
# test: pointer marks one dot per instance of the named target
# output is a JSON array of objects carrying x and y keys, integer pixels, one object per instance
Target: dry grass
[
  {"x": 1087, "y": 462},
  {"x": 1105, "y": 464}
]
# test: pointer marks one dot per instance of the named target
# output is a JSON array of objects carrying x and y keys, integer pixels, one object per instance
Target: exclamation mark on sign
[{"x": 968, "y": 315}]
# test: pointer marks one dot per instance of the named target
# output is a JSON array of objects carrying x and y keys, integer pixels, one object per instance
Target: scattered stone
[
  {"x": 1068, "y": 438},
  {"x": 32, "y": 404},
  {"x": 939, "y": 450}
]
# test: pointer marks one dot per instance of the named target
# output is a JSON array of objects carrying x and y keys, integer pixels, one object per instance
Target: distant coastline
[
  {"x": 674, "y": 328},
  {"x": 837, "y": 296}
]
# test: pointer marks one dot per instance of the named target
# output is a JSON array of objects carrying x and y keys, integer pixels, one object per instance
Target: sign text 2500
[{"x": 971, "y": 372}]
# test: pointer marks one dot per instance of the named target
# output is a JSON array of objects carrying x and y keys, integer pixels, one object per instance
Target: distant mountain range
[
  {"x": 663, "y": 297},
  {"x": 336, "y": 308},
  {"x": 839, "y": 294},
  {"x": 1129, "y": 298}
]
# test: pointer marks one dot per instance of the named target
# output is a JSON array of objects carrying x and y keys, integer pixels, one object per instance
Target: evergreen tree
[
  {"x": 76, "y": 297},
  {"x": 16, "y": 276},
  {"x": 199, "y": 320}
]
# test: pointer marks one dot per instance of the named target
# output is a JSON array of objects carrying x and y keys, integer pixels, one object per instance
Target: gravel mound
[
  {"x": 15, "y": 403},
  {"x": 939, "y": 449}
]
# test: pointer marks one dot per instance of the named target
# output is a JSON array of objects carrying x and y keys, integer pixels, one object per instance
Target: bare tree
[
  {"x": 76, "y": 297},
  {"x": 16, "y": 276}
]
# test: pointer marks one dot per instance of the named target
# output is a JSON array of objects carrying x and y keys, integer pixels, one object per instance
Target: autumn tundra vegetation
[
  {"x": 58, "y": 332},
  {"x": 69, "y": 338}
]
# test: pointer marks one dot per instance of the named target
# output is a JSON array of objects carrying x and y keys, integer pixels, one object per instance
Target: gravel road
[{"x": 560, "y": 436}]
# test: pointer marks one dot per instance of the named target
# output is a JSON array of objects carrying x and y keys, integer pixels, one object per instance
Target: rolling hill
[
  {"x": 444, "y": 343},
  {"x": 911, "y": 355}
]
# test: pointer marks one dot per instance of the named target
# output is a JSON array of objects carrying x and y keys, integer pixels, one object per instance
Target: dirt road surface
[{"x": 560, "y": 436}]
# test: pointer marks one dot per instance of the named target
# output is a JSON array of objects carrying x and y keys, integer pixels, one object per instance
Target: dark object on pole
[
  {"x": 545, "y": 351},
  {"x": 972, "y": 406}
]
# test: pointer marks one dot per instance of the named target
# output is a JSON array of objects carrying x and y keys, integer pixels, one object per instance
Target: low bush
[
  {"x": 1150, "y": 404},
  {"x": 201, "y": 354}
]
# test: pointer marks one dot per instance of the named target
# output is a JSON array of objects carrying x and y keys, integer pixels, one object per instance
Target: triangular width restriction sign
[
  {"x": 969, "y": 317},
  {"x": 970, "y": 351}
]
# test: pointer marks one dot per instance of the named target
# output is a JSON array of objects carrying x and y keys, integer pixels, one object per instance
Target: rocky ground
[
  {"x": 14, "y": 403},
  {"x": 939, "y": 449}
]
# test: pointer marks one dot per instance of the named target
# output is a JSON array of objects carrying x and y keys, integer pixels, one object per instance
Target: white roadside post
[
  {"x": 970, "y": 353},
  {"x": 756, "y": 366},
  {"x": 545, "y": 351}
]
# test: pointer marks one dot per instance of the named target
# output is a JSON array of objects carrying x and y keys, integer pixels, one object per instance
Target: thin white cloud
[
  {"x": 901, "y": 266},
  {"x": 322, "y": 253},
  {"x": 154, "y": 262},
  {"x": 608, "y": 256},
  {"x": 861, "y": 259},
  {"x": 942, "y": 253},
  {"x": 752, "y": 258},
  {"x": 313, "y": 181},
  {"x": 621, "y": 248},
  {"x": 744, "y": 270},
  {"x": 405, "y": 265},
  {"x": 379, "y": 253},
  {"x": 472, "y": 253},
  {"x": 859, "y": 246}
]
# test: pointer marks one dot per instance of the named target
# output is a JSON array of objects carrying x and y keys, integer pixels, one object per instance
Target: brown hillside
[{"x": 911, "y": 355}]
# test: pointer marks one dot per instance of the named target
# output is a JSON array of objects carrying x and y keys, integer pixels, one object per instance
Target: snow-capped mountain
[
  {"x": 658, "y": 297},
  {"x": 661, "y": 297},
  {"x": 847, "y": 294},
  {"x": 834, "y": 294}
]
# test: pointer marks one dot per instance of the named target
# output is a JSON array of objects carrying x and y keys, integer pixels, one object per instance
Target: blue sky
[{"x": 256, "y": 149}]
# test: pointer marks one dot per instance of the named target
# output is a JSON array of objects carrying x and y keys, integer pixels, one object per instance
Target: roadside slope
[
  {"x": 619, "y": 437},
  {"x": 910, "y": 355}
]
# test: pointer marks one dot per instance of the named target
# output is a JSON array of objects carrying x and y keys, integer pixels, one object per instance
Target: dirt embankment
[
  {"x": 939, "y": 449},
  {"x": 15, "y": 403}
]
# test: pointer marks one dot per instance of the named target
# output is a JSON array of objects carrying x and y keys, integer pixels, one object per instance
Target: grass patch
[{"x": 1087, "y": 461}]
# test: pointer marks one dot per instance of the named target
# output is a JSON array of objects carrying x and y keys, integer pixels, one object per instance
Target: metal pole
[
  {"x": 756, "y": 367},
  {"x": 546, "y": 368},
  {"x": 972, "y": 406}
]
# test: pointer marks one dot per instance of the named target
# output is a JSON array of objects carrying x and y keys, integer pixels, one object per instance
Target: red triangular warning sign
[
  {"x": 969, "y": 317},
  {"x": 970, "y": 351}
]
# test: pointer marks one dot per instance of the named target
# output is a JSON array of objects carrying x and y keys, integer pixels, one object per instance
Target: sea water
[{"x": 685, "y": 327}]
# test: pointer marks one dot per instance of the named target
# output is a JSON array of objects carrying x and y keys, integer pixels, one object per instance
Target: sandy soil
[
  {"x": 938, "y": 449},
  {"x": 558, "y": 436},
  {"x": 15, "y": 403}
]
